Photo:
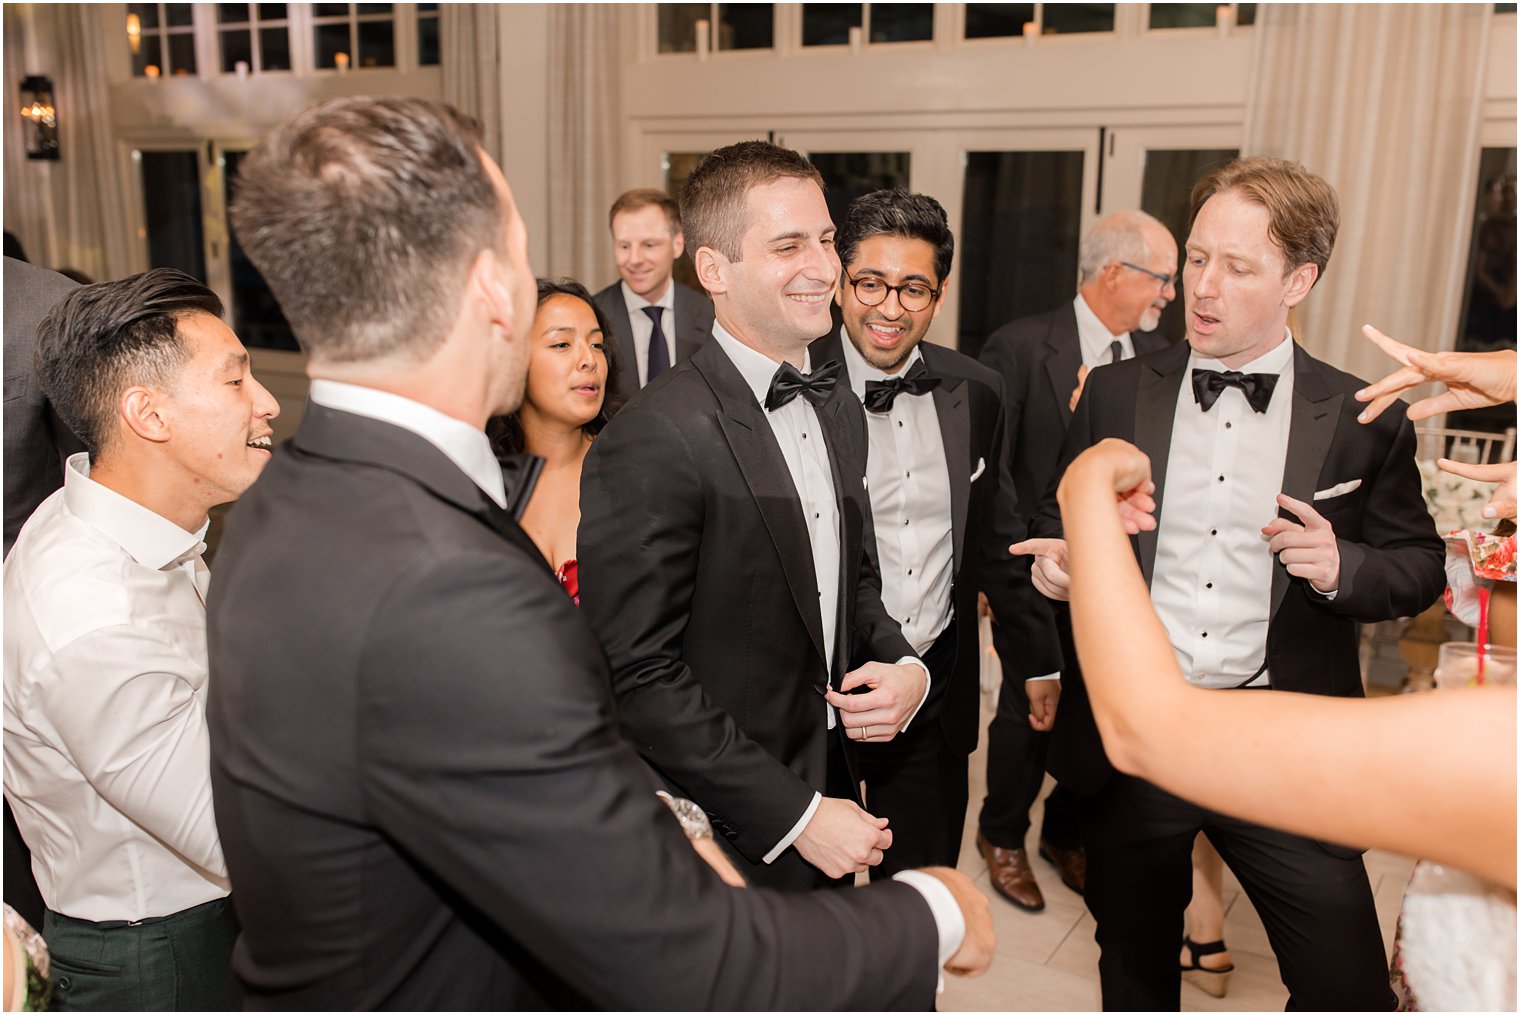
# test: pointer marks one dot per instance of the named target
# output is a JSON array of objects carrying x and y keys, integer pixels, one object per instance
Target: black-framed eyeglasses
[
  {"x": 911, "y": 296},
  {"x": 1165, "y": 280}
]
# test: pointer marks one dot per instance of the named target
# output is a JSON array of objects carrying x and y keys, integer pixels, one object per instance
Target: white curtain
[
  {"x": 585, "y": 117},
  {"x": 1384, "y": 102},
  {"x": 470, "y": 51}
]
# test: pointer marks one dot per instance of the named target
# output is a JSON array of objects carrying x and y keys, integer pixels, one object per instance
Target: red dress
[{"x": 569, "y": 581}]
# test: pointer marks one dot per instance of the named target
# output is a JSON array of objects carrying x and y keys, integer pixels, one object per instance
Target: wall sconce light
[
  {"x": 134, "y": 33},
  {"x": 39, "y": 118}
]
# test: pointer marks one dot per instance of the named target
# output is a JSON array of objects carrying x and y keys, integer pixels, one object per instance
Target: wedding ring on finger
[{"x": 865, "y": 734}]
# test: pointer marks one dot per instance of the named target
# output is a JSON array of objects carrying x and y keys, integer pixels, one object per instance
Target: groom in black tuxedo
[
  {"x": 1282, "y": 523},
  {"x": 722, "y": 561}
]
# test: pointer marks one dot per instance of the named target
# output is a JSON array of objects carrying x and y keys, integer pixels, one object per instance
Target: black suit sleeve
[
  {"x": 642, "y": 517},
  {"x": 490, "y": 755},
  {"x": 1046, "y": 520}
]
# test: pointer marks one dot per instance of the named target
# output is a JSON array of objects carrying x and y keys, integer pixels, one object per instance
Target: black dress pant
[
  {"x": 1015, "y": 771},
  {"x": 1314, "y": 900},
  {"x": 916, "y": 782}
]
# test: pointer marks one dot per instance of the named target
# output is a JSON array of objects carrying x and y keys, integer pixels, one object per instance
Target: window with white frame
[
  {"x": 162, "y": 39},
  {"x": 255, "y": 36},
  {"x": 353, "y": 35}
]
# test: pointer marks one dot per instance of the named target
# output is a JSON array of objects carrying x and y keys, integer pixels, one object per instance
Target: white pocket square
[
  {"x": 1337, "y": 489},
  {"x": 981, "y": 467}
]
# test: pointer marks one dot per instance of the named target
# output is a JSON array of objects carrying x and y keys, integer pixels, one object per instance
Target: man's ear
[
  {"x": 142, "y": 410},
  {"x": 678, "y": 243},
  {"x": 490, "y": 283},
  {"x": 1300, "y": 281},
  {"x": 712, "y": 270}
]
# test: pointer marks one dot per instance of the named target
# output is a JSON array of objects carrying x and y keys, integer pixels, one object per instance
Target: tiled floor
[{"x": 1048, "y": 961}]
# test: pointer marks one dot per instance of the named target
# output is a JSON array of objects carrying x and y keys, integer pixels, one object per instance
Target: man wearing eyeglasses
[
  {"x": 943, "y": 507},
  {"x": 1128, "y": 264}
]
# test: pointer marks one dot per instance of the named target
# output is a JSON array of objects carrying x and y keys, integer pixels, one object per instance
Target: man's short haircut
[
  {"x": 1303, "y": 213},
  {"x": 713, "y": 202},
  {"x": 104, "y": 338},
  {"x": 364, "y": 216},
  {"x": 901, "y": 213},
  {"x": 1117, "y": 236},
  {"x": 644, "y": 197}
]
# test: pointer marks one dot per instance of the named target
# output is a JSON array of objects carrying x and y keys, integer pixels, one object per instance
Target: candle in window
[
  {"x": 1224, "y": 17},
  {"x": 1031, "y": 32},
  {"x": 151, "y": 70},
  {"x": 340, "y": 60},
  {"x": 242, "y": 69},
  {"x": 704, "y": 37}
]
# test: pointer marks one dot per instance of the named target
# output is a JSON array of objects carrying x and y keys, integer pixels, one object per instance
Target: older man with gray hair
[{"x": 1128, "y": 263}]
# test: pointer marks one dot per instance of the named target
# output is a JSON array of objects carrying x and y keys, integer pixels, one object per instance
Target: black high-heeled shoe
[{"x": 1210, "y": 981}]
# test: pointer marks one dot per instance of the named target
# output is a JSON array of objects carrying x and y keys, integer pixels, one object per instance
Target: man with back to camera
[
  {"x": 943, "y": 508},
  {"x": 105, "y": 644},
  {"x": 722, "y": 553},
  {"x": 1128, "y": 267},
  {"x": 657, "y": 320},
  {"x": 1282, "y": 523},
  {"x": 420, "y": 782}
]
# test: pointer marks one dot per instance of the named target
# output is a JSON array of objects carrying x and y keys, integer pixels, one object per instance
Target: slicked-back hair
[
  {"x": 1117, "y": 236},
  {"x": 645, "y": 197},
  {"x": 898, "y": 212},
  {"x": 713, "y": 204},
  {"x": 364, "y": 216},
  {"x": 104, "y": 338},
  {"x": 506, "y": 432},
  {"x": 1303, "y": 213}
]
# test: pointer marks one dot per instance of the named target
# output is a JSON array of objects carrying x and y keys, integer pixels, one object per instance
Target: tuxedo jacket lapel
[
  {"x": 1155, "y": 411},
  {"x": 1064, "y": 361},
  {"x": 1316, "y": 410},
  {"x": 952, "y": 405}
]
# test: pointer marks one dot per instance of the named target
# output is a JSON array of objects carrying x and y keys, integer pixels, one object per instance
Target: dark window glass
[
  {"x": 1020, "y": 223},
  {"x": 746, "y": 26},
  {"x": 678, "y": 166},
  {"x": 678, "y": 26},
  {"x": 377, "y": 44},
  {"x": 829, "y": 24},
  {"x": 330, "y": 10},
  {"x": 271, "y": 12},
  {"x": 1182, "y": 15},
  {"x": 149, "y": 54},
  {"x": 902, "y": 22},
  {"x": 182, "y": 53},
  {"x": 1245, "y": 14},
  {"x": 274, "y": 49},
  {"x": 1504, "y": 8},
  {"x": 1065, "y": 19},
  {"x": 256, "y": 317},
  {"x": 427, "y": 42},
  {"x": 1166, "y": 191},
  {"x": 1488, "y": 309},
  {"x": 171, "y": 184},
  {"x": 331, "y": 40},
  {"x": 237, "y": 44},
  {"x": 374, "y": 8},
  {"x": 989, "y": 21},
  {"x": 179, "y": 15},
  {"x": 147, "y": 14},
  {"x": 848, "y": 175},
  {"x": 426, "y": 8},
  {"x": 230, "y": 14}
]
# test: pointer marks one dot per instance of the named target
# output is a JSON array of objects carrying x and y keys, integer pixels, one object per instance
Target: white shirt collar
[
  {"x": 756, "y": 368},
  {"x": 862, "y": 371},
  {"x": 461, "y": 443},
  {"x": 148, "y": 537},
  {"x": 1276, "y": 360},
  {"x": 1094, "y": 334},
  {"x": 637, "y": 302}
]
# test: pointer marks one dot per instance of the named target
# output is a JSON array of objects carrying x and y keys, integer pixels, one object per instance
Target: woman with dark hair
[{"x": 572, "y": 371}]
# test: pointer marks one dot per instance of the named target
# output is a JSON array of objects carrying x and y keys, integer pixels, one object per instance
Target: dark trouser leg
[
  {"x": 21, "y": 892},
  {"x": 1316, "y": 904},
  {"x": 1015, "y": 771},
  {"x": 919, "y": 786}
]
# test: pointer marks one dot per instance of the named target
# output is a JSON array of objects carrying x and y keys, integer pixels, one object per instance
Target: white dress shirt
[
  {"x": 909, "y": 483},
  {"x": 1212, "y": 583},
  {"x": 643, "y": 327},
  {"x": 1097, "y": 342},
  {"x": 465, "y": 446},
  {"x": 107, "y": 760}
]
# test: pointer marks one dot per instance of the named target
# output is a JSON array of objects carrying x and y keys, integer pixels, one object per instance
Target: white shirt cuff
[
  {"x": 791, "y": 836},
  {"x": 1045, "y": 676},
  {"x": 947, "y": 916},
  {"x": 1326, "y": 596},
  {"x": 928, "y": 682}
]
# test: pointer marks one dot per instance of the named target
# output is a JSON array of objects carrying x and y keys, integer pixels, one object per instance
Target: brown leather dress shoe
[
  {"x": 1072, "y": 863},
  {"x": 1011, "y": 875}
]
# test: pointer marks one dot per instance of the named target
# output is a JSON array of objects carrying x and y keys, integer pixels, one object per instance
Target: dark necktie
[
  {"x": 789, "y": 382},
  {"x": 1115, "y": 351},
  {"x": 917, "y": 381},
  {"x": 1209, "y": 384},
  {"x": 659, "y": 354}
]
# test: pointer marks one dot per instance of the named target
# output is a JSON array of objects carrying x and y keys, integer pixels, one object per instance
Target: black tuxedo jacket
[
  {"x": 420, "y": 787},
  {"x": 694, "y": 321},
  {"x": 1391, "y": 556},
  {"x": 986, "y": 520},
  {"x": 696, "y": 572}
]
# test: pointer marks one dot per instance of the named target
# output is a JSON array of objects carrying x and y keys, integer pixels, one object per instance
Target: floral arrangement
[{"x": 1455, "y": 502}]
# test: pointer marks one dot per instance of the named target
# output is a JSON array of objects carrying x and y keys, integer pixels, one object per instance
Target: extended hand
[
  {"x": 1043, "y": 696},
  {"x": 1049, "y": 569},
  {"x": 1502, "y": 503},
  {"x": 841, "y": 839},
  {"x": 1308, "y": 550},
  {"x": 1123, "y": 468},
  {"x": 879, "y": 714},
  {"x": 1473, "y": 379},
  {"x": 975, "y": 953}
]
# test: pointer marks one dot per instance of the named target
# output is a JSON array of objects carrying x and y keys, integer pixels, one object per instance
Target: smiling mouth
[
  {"x": 809, "y": 299},
  {"x": 264, "y": 443},
  {"x": 885, "y": 334}
]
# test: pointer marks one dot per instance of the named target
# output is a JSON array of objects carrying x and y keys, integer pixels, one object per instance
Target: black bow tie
[
  {"x": 1209, "y": 384},
  {"x": 917, "y": 381},
  {"x": 789, "y": 382}
]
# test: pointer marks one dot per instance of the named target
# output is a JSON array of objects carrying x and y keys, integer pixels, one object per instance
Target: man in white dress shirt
[
  {"x": 106, "y": 756},
  {"x": 656, "y": 320}
]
